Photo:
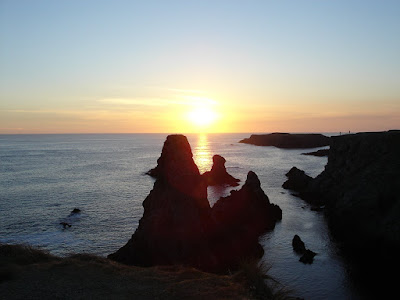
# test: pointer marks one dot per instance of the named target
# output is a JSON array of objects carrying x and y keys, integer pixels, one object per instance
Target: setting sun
[
  {"x": 202, "y": 113},
  {"x": 202, "y": 116}
]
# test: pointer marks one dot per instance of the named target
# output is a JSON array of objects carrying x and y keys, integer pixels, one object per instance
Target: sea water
[{"x": 44, "y": 177}]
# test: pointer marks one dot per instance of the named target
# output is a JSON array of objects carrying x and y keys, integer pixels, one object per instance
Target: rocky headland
[
  {"x": 359, "y": 188},
  {"x": 179, "y": 226},
  {"x": 319, "y": 153},
  {"x": 288, "y": 140},
  {"x": 297, "y": 181}
]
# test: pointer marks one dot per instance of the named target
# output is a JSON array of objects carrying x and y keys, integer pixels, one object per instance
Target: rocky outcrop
[
  {"x": 176, "y": 212},
  {"x": 75, "y": 211},
  {"x": 287, "y": 140},
  {"x": 298, "y": 245},
  {"x": 240, "y": 219},
  {"x": 319, "y": 153},
  {"x": 307, "y": 256},
  {"x": 218, "y": 174},
  {"x": 359, "y": 188},
  {"x": 176, "y": 160},
  {"x": 65, "y": 224},
  {"x": 297, "y": 181},
  {"x": 179, "y": 227}
]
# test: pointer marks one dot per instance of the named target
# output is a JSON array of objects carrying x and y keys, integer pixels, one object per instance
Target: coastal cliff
[
  {"x": 288, "y": 140},
  {"x": 179, "y": 226},
  {"x": 359, "y": 188}
]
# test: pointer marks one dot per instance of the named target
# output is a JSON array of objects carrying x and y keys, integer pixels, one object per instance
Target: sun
[{"x": 202, "y": 116}]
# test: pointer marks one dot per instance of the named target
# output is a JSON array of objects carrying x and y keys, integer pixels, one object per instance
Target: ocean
[{"x": 44, "y": 177}]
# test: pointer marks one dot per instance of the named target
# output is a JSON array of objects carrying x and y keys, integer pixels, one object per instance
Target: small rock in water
[
  {"x": 308, "y": 257},
  {"x": 65, "y": 224},
  {"x": 218, "y": 174},
  {"x": 298, "y": 245},
  {"x": 297, "y": 181},
  {"x": 300, "y": 248},
  {"x": 75, "y": 211}
]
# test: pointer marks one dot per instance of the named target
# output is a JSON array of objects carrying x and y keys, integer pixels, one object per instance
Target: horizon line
[{"x": 169, "y": 133}]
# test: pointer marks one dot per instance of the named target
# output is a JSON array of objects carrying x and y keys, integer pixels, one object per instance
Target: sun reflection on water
[{"x": 202, "y": 153}]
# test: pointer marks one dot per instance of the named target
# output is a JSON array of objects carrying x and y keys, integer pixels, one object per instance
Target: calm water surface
[{"x": 44, "y": 177}]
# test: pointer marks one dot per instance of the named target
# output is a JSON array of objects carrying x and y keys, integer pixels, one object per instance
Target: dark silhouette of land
[
  {"x": 218, "y": 174},
  {"x": 29, "y": 273},
  {"x": 179, "y": 226},
  {"x": 288, "y": 140},
  {"x": 360, "y": 191},
  {"x": 320, "y": 153}
]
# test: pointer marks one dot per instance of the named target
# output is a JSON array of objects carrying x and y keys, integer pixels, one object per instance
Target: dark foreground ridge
[
  {"x": 359, "y": 188},
  {"x": 288, "y": 140},
  {"x": 179, "y": 226},
  {"x": 30, "y": 273}
]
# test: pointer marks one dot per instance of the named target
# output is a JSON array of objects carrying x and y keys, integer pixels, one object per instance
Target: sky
[{"x": 82, "y": 66}]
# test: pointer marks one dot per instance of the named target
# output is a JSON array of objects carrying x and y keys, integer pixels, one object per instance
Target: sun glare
[{"x": 202, "y": 116}]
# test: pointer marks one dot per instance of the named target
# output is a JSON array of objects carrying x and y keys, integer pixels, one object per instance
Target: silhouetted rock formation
[
  {"x": 179, "y": 227},
  {"x": 297, "y": 180},
  {"x": 65, "y": 224},
  {"x": 287, "y": 140},
  {"x": 75, "y": 211},
  {"x": 298, "y": 245},
  {"x": 320, "y": 153},
  {"x": 359, "y": 188},
  {"x": 240, "y": 219},
  {"x": 176, "y": 160},
  {"x": 248, "y": 206},
  {"x": 307, "y": 256},
  {"x": 218, "y": 174},
  {"x": 176, "y": 212}
]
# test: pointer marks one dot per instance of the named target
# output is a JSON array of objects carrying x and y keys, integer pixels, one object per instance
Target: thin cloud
[
  {"x": 185, "y": 91},
  {"x": 136, "y": 102},
  {"x": 36, "y": 111},
  {"x": 186, "y": 100}
]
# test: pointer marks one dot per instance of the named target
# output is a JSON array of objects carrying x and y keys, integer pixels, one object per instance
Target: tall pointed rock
[
  {"x": 176, "y": 212},
  {"x": 179, "y": 227}
]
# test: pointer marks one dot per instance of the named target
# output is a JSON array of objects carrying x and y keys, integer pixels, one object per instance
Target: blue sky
[{"x": 124, "y": 66}]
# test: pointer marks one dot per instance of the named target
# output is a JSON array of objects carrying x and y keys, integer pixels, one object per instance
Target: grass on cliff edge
[{"x": 31, "y": 273}]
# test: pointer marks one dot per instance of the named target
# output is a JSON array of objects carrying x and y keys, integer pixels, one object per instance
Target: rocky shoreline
[{"x": 359, "y": 190}]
